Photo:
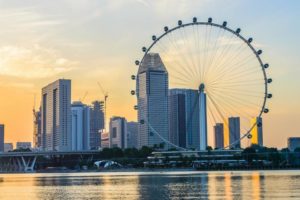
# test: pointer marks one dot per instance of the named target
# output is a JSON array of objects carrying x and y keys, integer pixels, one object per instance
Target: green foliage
[{"x": 297, "y": 149}]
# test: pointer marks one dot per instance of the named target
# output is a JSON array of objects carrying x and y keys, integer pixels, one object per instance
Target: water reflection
[{"x": 166, "y": 185}]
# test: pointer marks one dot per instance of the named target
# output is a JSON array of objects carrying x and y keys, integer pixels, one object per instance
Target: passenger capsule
[
  {"x": 270, "y": 80},
  {"x": 250, "y": 40},
  {"x": 209, "y": 20},
  {"x": 135, "y": 107},
  {"x": 224, "y": 24},
  {"x": 259, "y": 124},
  {"x": 144, "y": 49},
  {"x": 259, "y": 52},
  {"x": 166, "y": 29},
  {"x": 137, "y": 62},
  {"x": 269, "y": 96},
  {"x": 153, "y": 37},
  {"x": 238, "y": 30},
  {"x": 249, "y": 136},
  {"x": 142, "y": 121},
  {"x": 132, "y": 92},
  {"x": 266, "y": 110},
  {"x": 194, "y": 19},
  {"x": 266, "y": 65},
  {"x": 133, "y": 77},
  {"x": 179, "y": 22}
]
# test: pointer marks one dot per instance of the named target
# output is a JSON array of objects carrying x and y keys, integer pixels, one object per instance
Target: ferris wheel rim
[{"x": 238, "y": 35}]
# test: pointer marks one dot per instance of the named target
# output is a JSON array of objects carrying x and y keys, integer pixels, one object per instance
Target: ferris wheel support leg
[{"x": 202, "y": 119}]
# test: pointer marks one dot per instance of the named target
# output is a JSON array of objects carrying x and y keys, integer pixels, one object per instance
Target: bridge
[{"x": 25, "y": 161}]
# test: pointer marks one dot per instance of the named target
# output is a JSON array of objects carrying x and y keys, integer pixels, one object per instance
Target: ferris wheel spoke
[
  {"x": 241, "y": 102},
  {"x": 225, "y": 102},
  {"x": 235, "y": 92},
  {"x": 183, "y": 56},
  {"x": 187, "y": 41},
  {"x": 234, "y": 76},
  {"x": 215, "y": 49},
  {"x": 197, "y": 46},
  {"x": 225, "y": 62},
  {"x": 226, "y": 50},
  {"x": 228, "y": 71},
  {"x": 186, "y": 74}
]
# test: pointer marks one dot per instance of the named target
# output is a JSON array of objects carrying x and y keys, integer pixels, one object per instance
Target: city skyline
[{"x": 85, "y": 67}]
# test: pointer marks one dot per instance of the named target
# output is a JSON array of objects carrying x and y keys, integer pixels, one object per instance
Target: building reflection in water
[
  {"x": 151, "y": 185},
  {"x": 256, "y": 185}
]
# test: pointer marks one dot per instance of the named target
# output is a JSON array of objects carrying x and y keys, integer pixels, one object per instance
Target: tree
[
  {"x": 297, "y": 149},
  {"x": 249, "y": 154},
  {"x": 209, "y": 148},
  {"x": 145, "y": 151}
]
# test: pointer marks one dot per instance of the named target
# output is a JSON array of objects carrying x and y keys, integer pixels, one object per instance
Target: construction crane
[
  {"x": 105, "y": 94},
  {"x": 85, "y": 94}
]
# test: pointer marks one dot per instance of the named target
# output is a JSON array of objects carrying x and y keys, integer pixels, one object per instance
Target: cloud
[{"x": 33, "y": 62}]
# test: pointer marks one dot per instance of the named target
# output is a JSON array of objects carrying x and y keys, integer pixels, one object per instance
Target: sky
[{"x": 99, "y": 40}]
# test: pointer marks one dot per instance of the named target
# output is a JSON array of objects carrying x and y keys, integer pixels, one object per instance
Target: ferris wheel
[{"x": 223, "y": 66}]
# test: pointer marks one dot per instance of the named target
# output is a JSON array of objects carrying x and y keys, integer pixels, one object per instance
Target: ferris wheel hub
[{"x": 201, "y": 87}]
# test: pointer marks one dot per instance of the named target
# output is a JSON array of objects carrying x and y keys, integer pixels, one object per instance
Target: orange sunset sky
[{"x": 98, "y": 41}]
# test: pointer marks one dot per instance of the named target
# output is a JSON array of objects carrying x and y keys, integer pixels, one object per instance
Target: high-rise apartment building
[
  {"x": 1, "y": 137},
  {"x": 80, "y": 127},
  {"x": 56, "y": 116},
  {"x": 219, "y": 135},
  {"x": 257, "y": 131},
  {"x": 152, "y": 97},
  {"x": 96, "y": 124},
  {"x": 37, "y": 129},
  {"x": 234, "y": 132},
  {"x": 118, "y": 132}
]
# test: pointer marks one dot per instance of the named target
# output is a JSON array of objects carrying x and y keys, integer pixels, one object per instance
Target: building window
[{"x": 114, "y": 133}]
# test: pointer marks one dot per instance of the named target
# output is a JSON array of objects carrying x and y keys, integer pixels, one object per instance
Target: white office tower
[
  {"x": 184, "y": 118},
  {"x": 118, "y": 132},
  {"x": 56, "y": 116},
  {"x": 202, "y": 118},
  {"x": 152, "y": 97},
  {"x": 257, "y": 131},
  {"x": 80, "y": 127}
]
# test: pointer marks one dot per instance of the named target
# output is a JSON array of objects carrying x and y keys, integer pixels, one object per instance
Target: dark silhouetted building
[
  {"x": 219, "y": 135},
  {"x": 96, "y": 124}
]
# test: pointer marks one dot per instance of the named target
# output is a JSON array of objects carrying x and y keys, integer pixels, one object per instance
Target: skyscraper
[
  {"x": 219, "y": 135},
  {"x": 96, "y": 124},
  {"x": 1, "y": 137},
  {"x": 80, "y": 127},
  {"x": 234, "y": 132},
  {"x": 177, "y": 119},
  {"x": 257, "y": 131},
  {"x": 152, "y": 98},
  {"x": 132, "y": 134},
  {"x": 184, "y": 112},
  {"x": 118, "y": 132},
  {"x": 37, "y": 131},
  {"x": 56, "y": 116}
]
